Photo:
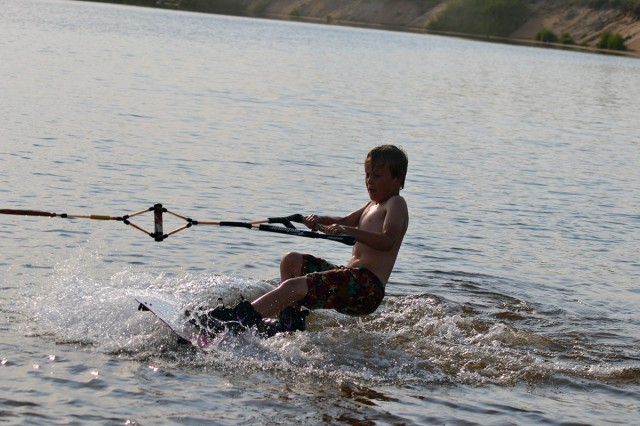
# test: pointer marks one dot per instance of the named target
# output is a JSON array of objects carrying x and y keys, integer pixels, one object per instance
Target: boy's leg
[
  {"x": 288, "y": 293},
  {"x": 293, "y": 288}
]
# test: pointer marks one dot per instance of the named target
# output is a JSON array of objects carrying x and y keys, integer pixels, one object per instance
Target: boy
[{"x": 354, "y": 289}]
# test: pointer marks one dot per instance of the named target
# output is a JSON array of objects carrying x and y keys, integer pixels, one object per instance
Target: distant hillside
[{"x": 581, "y": 21}]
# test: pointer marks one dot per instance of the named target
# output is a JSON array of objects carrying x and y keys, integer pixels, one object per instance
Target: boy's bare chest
[{"x": 373, "y": 218}]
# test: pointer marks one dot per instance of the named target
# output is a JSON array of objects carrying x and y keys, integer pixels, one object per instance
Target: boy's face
[{"x": 381, "y": 185}]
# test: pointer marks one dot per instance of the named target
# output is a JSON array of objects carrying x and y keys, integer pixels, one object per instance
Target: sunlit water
[{"x": 515, "y": 297}]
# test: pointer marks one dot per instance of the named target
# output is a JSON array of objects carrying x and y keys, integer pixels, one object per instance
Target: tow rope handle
[{"x": 158, "y": 223}]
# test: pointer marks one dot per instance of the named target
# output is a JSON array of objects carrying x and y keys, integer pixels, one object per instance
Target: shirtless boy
[{"x": 356, "y": 288}]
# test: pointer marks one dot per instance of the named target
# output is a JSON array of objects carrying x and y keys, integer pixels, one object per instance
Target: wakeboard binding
[{"x": 243, "y": 316}]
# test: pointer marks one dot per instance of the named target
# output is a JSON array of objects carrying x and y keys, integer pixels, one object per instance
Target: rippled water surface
[{"x": 515, "y": 296}]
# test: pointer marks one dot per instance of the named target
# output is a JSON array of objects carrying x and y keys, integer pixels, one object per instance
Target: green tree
[
  {"x": 546, "y": 35},
  {"x": 566, "y": 38},
  {"x": 612, "y": 41}
]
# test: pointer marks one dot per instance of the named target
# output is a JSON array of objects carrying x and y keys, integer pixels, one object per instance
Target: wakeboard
[
  {"x": 200, "y": 326},
  {"x": 173, "y": 316}
]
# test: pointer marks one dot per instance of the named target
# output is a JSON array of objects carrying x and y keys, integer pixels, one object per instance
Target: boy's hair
[{"x": 395, "y": 157}]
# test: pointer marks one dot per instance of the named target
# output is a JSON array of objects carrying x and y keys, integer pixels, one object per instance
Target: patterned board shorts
[{"x": 351, "y": 291}]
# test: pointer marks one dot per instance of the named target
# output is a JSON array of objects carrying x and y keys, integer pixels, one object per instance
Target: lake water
[{"x": 515, "y": 296}]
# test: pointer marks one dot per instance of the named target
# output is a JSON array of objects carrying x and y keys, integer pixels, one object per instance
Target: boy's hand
[
  {"x": 333, "y": 229},
  {"x": 325, "y": 224},
  {"x": 311, "y": 222}
]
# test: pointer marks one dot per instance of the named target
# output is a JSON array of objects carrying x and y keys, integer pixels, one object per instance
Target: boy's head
[{"x": 392, "y": 156}]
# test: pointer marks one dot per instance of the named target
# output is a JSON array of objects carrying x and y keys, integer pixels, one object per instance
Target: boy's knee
[
  {"x": 291, "y": 265},
  {"x": 292, "y": 259}
]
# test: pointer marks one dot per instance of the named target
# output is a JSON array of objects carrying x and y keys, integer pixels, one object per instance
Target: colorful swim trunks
[{"x": 351, "y": 291}]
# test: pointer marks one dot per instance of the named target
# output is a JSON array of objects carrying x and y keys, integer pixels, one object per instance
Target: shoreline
[
  {"x": 420, "y": 30},
  {"x": 584, "y": 24}
]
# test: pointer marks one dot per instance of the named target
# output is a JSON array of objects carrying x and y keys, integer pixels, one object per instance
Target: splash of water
[{"x": 411, "y": 340}]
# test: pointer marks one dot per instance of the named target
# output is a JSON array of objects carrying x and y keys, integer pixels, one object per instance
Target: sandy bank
[{"x": 584, "y": 24}]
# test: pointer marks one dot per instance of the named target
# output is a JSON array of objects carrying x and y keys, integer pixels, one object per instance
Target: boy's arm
[
  {"x": 393, "y": 229},
  {"x": 352, "y": 219}
]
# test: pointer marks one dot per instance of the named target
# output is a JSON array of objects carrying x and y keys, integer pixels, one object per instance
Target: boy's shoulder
[
  {"x": 398, "y": 206},
  {"x": 397, "y": 200}
]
